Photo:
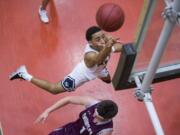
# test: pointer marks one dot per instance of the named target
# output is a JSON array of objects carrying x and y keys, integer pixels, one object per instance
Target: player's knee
[
  {"x": 55, "y": 92},
  {"x": 53, "y": 89}
]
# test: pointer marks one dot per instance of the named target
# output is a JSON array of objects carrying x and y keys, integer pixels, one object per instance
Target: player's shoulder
[
  {"x": 93, "y": 102},
  {"x": 90, "y": 55},
  {"x": 90, "y": 59}
]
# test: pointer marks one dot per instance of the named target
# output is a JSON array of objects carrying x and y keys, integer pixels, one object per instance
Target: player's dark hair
[
  {"x": 107, "y": 109},
  {"x": 90, "y": 31}
]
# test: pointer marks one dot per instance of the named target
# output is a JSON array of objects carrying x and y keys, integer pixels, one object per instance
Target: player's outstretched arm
[{"x": 78, "y": 100}]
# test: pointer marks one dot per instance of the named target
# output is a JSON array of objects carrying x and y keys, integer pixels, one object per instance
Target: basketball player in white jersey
[{"x": 96, "y": 56}]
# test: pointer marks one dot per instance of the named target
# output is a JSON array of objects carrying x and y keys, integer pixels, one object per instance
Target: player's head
[
  {"x": 106, "y": 109},
  {"x": 95, "y": 36}
]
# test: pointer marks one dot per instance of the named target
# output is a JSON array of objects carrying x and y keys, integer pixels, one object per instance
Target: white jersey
[
  {"x": 93, "y": 72},
  {"x": 81, "y": 73}
]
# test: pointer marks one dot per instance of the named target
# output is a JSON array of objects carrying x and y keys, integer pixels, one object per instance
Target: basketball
[{"x": 110, "y": 17}]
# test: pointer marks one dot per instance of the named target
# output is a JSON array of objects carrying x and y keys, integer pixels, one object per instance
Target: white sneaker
[
  {"x": 43, "y": 15},
  {"x": 21, "y": 73}
]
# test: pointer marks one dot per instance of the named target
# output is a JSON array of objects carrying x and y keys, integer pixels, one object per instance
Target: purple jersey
[{"x": 84, "y": 125}]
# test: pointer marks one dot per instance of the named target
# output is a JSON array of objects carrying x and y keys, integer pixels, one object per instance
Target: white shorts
[{"x": 79, "y": 76}]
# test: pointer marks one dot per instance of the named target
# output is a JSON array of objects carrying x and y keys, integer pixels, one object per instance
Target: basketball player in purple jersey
[
  {"x": 96, "y": 119},
  {"x": 96, "y": 56}
]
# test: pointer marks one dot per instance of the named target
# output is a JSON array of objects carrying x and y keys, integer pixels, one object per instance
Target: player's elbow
[{"x": 99, "y": 61}]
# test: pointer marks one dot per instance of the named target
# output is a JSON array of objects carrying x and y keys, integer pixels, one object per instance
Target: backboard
[{"x": 148, "y": 31}]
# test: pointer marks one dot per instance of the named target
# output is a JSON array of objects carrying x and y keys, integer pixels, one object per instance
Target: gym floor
[{"x": 50, "y": 51}]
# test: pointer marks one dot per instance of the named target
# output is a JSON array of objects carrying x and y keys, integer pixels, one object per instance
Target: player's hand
[
  {"x": 110, "y": 41},
  {"x": 42, "y": 117}
]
